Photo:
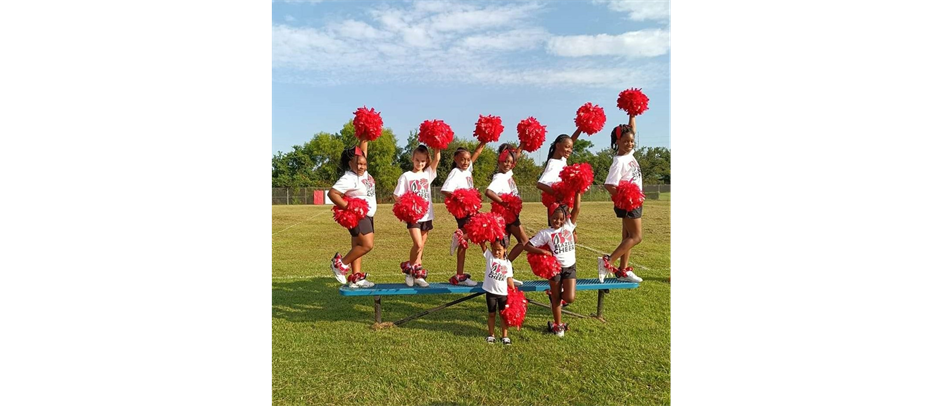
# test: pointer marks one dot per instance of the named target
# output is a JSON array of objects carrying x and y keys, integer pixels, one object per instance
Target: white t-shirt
[
  {"x": 503, "y": 183},
  {"x": 496, "y": 274},
  {"x": 363, "y": 187},
  {"x": 551, "y": 172},
  {"x": 421, "y": 184},
  {"x": 561, "y": 241},
  {"x": 459, "y": 179},
  {"x": 624, "y": 167}
]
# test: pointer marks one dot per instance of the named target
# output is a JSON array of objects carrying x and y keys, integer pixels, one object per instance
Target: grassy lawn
[{"x": 325, "y": 352}]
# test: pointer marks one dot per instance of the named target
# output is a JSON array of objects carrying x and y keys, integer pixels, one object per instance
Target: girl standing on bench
[
  {"x": 356, "y": 182},
  {"x": 498, "y": 280},
  {"x": 503, "y": 182},
  {"x": 418, "y": 180},
  {"x": 624, "y": 168},
  {"x": 461, "y": 177},
  {"x": 559, "y": 151},
  {"x": 562, "y": 245}
]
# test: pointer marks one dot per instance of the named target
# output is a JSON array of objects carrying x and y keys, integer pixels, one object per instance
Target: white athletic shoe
[
  {"x": 630, "y": 277},
  {"x": 603, "y": 271},
  {"x": 468, "y": 282},
  {"x": 362, "y": 283},
  {"x": 421, "y": 282},
  {"x": 409, "y": 280},
  {"x": 340, "y": 271},
  {"x": 454, "y": 241},
  {"x": 518, "y": 283},
  {"x": 505, "y": 340}
]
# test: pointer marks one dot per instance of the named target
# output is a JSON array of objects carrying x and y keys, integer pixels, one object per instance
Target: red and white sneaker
[
  {"x": 627, "y": 275},
  {"x": 419, "y": 274},
  {"x": 339, "y": 269},
  {"x": 358, "y": 280},
  {"x": 407, "y": 269},
  {"x": 605, "y": 267},
  {"x": 558, "y": 329},
  {"x": 462, "y": 279}
]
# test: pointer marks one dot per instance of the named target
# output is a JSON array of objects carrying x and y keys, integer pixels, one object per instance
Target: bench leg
[
  {"x": 452, "y": 303},
  {"x": 598, "y": 313},
  {"x": 378, "y": 308}
]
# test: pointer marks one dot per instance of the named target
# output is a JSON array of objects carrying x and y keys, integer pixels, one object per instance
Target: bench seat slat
[{"x": 390, "y": 289}]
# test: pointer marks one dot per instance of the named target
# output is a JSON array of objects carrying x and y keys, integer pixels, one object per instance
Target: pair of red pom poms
[
  {"x": 531, "y": 134},
  {"x": 436, "y": 134},
  {"x": 633, "y": 101},
  {"x": 463, "y": 202},
  {"x": 410, "y": 208},
  {"x": 628, "y": 196},
  {"x": 485, "y": 227},
  {"x": 367, "y": 124},
  {"x": 544, "y": 266},
  {"x": 488, "y": 128},
  {"x": 349, "y": 217},
  {"x": 516, "y": 310},
  {"x": 590, "y": 118},
  {"x": 511, "y": 208}
]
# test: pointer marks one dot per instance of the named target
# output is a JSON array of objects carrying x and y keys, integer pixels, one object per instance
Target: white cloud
[
  {"x": 446, "y": 42},
  {"x": 486, "y": 18},
  {"x": 302, "y": 47},
  {"x": 635, "y": 44},
  {"x": 507, "y": 41},
  {"x": 640, "y": 10},
  {"x": 584, "y": 76},
  {"x": 355, "y": 30}
]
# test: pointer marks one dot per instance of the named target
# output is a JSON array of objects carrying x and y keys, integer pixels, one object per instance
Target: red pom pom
[
  {"x": 516, "y": 309},
  {"x": 563, "y": 194},
  {"x": 463, "y": 202},
  {"x": 547, "y": 199},
  {"x": 367, "y": 124},
  {"x": 628, "y": 196},
  {"x": 356, "y": 210},
  {"x": 590, "y": 118},
  {"x": 511, "y": 211},
  {"x": 488, "y": 128},
  {"x": 485, "y": 227},
  {"x": 633, "y": 101},
  {"x": 410, "y": 208},
  {"x": 544, "y": 266},
  {"x": 531, "y": 134},
  {"x": 436, "y": 134},
  {"x": 576, "y": 178}
]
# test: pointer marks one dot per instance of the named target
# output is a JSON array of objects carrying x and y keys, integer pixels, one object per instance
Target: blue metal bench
[{"x": 393, "y": 289}]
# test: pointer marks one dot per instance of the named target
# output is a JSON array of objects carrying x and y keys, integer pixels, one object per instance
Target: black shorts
[
  {"x": 495, "y": 303},
  {"x": 364, "y": 227},
  {"x": 634, "y": 214},
  {"x": 516, "y": 222},
  {"x": 568, "y": 272},
  {"x": 462, "y": 221},
  {"x": 422, "y": 225}
]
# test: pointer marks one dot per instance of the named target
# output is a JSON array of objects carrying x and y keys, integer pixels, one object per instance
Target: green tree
[
  {"x": 655, "y": 164},
  {"x": 404, "y": 154},
  {"x": 311, "y": 164},
  {"x": 317, "y": 162}
]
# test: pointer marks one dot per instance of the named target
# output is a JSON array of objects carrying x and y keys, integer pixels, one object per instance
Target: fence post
[{"x": 287, "y": 196}]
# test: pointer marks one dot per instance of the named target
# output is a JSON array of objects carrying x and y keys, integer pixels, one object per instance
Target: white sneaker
[
  {"x": 409, "y": 280},
  {"x": 421, "y": 282},
  {"x": 362, "y": 283},
  {"x": 505, "y": 340},
  {"x": 468, "y": 282},
  {"x": 336, "y": 265},
  {"x": 518, "y": 283},
  {"x": 602, "y": 270},
  {"x": 630, "y": 277},
  {"x": 560, "y": 329}
]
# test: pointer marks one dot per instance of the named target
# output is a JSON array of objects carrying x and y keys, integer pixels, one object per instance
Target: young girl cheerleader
[
  {"x": 559, "y": 151},
  {"x": 503, "y": 182},
  {"x": 418, "y": 180},
  {"x": 356, "y": 183},
  {"x": 498, "y": 280},
  {"x": 461, "y": 177},
  {"x": 624, "y": 168}
]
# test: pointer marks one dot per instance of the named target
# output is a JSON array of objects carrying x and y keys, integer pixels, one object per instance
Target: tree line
[{"x": 317, "y": 162}]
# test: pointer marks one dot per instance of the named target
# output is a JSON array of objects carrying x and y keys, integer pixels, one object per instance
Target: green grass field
[{"x": 325, "y": 352}]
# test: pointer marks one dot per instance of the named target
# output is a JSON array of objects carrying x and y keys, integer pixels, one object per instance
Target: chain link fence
[{"x": 318, "y": 195}]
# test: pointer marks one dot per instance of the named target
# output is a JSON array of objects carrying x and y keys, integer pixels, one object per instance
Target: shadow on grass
[{"x": 318, "y": 300}]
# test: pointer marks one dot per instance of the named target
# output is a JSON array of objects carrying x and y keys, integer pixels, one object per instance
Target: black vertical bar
[{"x": 378, "y": 308}]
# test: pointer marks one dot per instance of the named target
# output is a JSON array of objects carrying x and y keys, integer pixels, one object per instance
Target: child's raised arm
[
  {"x": 436, "y": 158},
  {"x": 575, "y": 135},
  {"x": 363, "y": 145},
  {"x": 574, "y": 213},
  {"x": 477, "y": 151}
]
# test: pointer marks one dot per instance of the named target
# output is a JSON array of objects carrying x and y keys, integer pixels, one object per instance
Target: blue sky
[{"x": 454, "y": 60}]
